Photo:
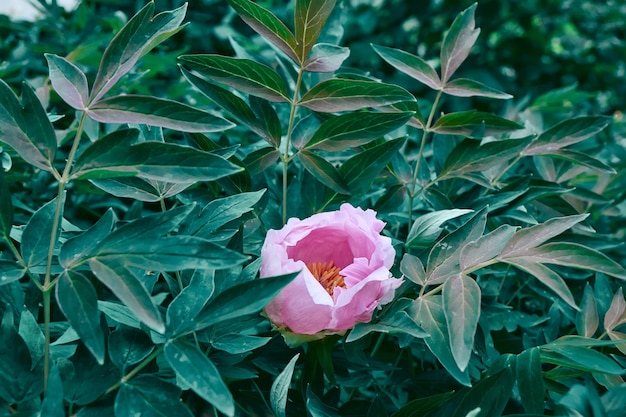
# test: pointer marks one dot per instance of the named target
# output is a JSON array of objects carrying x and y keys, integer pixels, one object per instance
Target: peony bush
[{"x": 308, "y": 223}]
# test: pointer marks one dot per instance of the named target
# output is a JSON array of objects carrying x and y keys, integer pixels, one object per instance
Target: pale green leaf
[
  {"x": 309, "y": 19},
  {"x": 325, "y": 57},
  {"x": 411, "y": 65},
  {"x": 567, "y": 132},
  {"x": 462, "y": 87},
  {"x": 458, "y": 42},
  {"x": 428, "y": 227},
  {"x": 474, "y": 124},
  {"x": 587, "y": 319},
  {"x": 280, "y": 388},
  {"x": 68, "y": 81}
]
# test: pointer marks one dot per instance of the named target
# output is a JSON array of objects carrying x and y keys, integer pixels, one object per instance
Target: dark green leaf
[
  {"x": 267, "y": 118},
  {"x": 25, "y": 127},
  {"x": 428, "y": 313},
  {"x": 114, "y": 155},
  {"x": 530, "y": 380},
  {"x": 396, "y": 323},
  {"x": 567, "y": 133},
  {"x": 156, "y": 112},
  {"x": 336, "y": 95},
  {"x": 458, "y": 42},
  {"x": 119, "y": 313},
  {"x": 68, "y": 81},
  {"x": 30, "y": 330},
  {"x": 421, "y": 406},
  {"x": 325, "y": 57},
  {"x": 323, "y": 171},
  {"x": 196, "y": 370},
  {"x": 461, "y": 306},
  {"x": 428, "y": 227},
  {"x": 240, "y": 300},
  {"x": 587, "y": 319},
  {"x": 280, "y": 388},
  {"x": 78, "y": 301},
  {"x": 462, "y": 87},
  {"x": 267, "y": 25},
  {"x": 52, "y": 404},
  {"x": 261, "y": 159},
  {"x": 580, "y": 159},
  {"x": 130, "y": 290},
  {"x": 149, "y": 396},
  {"x": 473, "y": 123},
  {"x": 75, "y": 249},
  {"x": 411, "y": 65},
  {"x": 241, "y": 74},
  {"x": 581, "y": 358},
  {"x": 355, "y": 129},
  {"x": 142, "y": 33},
  {"x": 37, "y": 234},
  {"x": 362, "y": 169},
  {"x": 128, "y": 346},
  {"x": 149, "y": 191},
  {"x": 237, "y": 344},
  {"x": 309, "y": 19},
  {"x": 191, "y": 300},
  {"x": 6, "y": 207},
  {"x": 487, "y": 397},
  {"x": 10, "y": 271},
  {"x": 316, "y": 407}
]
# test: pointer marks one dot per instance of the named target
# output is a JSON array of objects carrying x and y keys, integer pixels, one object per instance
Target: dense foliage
[{"x": 145, "y": 160}]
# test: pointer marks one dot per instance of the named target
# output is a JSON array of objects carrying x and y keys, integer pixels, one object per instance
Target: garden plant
[{"x": 266, "y": 226}]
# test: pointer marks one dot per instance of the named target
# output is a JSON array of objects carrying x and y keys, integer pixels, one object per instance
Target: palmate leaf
[
  {"x": 197, "y": 371},
  {"x": 337, "y": 95},
  {"x": 411, "y": 65},
  {"x": 325, "y": 57},
  {"x": 25, "y": 127},
  {"x": 354, "y": 129},
  {"x": 68, "y": 81},
  {"x": 155, "y": 111},
  {"x": 148, "y": 395},
  {"x": 78, "y": 301},
  {"x": 267, "y": 25},
  {"x": 142, "y": 33},
  {"x": 461, "y": 306},
  {"x": 114, "y": 155},
  {"x": 474, "y": 124},
  {"x": 567, "y": 132},
  {"x": 309, "y": 19},
  {"x": 244, "y": 75},
  {"x": 462, "y": 87},
  {"x": 323, "y": 171},
  {"x": 458, "y": 42}
]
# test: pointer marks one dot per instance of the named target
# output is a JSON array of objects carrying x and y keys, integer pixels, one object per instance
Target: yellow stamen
[{"x": 327, "y": 274}]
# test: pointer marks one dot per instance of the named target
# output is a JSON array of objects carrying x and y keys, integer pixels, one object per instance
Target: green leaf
[
  {"x": 413, "y": 66},
  {"x": 6, "y": 207},
  {"x": 36, "y": 237},
  {"x": 567, "y": 132},
  {"x": 396, "y": 323},
  {"x": 462, "y": 87},
  {"x": 241, "y": 74},
  {"x": 156, "y": 112},
  {"x": 149, "y": 396},
  {"x": 411, "y": 267},
  {"x": 587, "y": 319},
  {"x": 68, "y": 81},
  {"x": 191, "y": 300},
  {"x": 362, "y": 169},
  {"x": 428, "y": 227},
  {"x": 197, "y": 371},
  {"x": 280, "y": 388},
  {"x": 473, "y": 123},
  {"x": 316, "y": 407},
  {"x": 421, "y": 406},
  {"x": 237, "y": 344},
  {"x": 32, "y": 333},
  {"x": 119, "y": 313},
  {"x": 309, "y": 19},
  {"x": 114, "y": 155},
  {"x": 461, "y": 306},
  {"x": 10, "y": 271},
  {"x": 136, "y": 188},
  {"x": 267, "y": 118},
  {"x": 580, "y": 159},
  {"x": 267, "y": 25},
  {"x": 235, "y": 106},
  {"x": 323, "y": 171},
  {"x": 325, "y": 57},
  {"x": 78, "y": 301},
  {"x": 128, "y": 346},
  {"x": 545, "y": 275},
  {"x": 261, "y": 159},
  {"x": 130, "y": 290},
  {"x": 240, "y": 300},
  {"x": 582, "y": 358},
  {"x": 458, "y": 42},
  {"x": 487, "y": 398},
  {"x": 142, "y": 33},
  {"x": 486, "y": 247},
  {"x": 25, "y": 127},
  {"x": 337, "y": 95},
  {"x": 52, "y": 404},
  {"x": 615, "y": 315},
  {"x": 531, "y": 237},
  {"x": 75, "y": 249},
  {"x": 428, "y": 313},
  {"x": 355, "y": 129},
  {"x": 530, "y": 380}
]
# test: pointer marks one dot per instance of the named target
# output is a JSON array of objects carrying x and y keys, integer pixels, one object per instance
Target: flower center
[{"x": 327, "y": 274}]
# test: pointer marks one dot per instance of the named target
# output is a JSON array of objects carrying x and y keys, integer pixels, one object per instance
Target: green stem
[
  {"x": 48, "y": 284},
  {"x": 286, "y": 157},
  {"x": 135, "y": 370},
  {"x": 420, "y": 155}
]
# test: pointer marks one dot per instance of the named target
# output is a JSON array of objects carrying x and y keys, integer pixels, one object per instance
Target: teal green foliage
[{"x": 147, "y": 148}]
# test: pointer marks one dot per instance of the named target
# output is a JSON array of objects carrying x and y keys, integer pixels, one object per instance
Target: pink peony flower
[{"x": 344, "y": 264}]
